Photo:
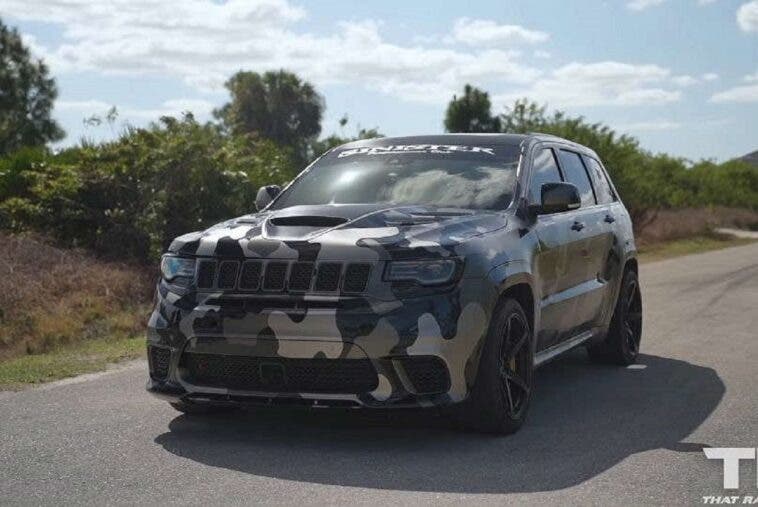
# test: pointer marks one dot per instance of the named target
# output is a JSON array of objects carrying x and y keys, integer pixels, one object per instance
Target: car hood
[{"x": 342, "y": 232}]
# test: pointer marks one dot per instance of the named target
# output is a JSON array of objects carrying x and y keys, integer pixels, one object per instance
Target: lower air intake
[
  {"x": 281, "y": 375},
  {"x": 159, "y": 358},
  {"x": 427, "y": 374}
]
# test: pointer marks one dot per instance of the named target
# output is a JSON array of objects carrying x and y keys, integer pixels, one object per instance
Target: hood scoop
[{"x": 307, "y": 221}]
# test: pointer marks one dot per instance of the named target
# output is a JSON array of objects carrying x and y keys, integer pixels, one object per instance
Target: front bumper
[{"x": 322, "y": 351}]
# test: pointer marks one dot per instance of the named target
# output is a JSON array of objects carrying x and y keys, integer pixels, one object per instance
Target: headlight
[
  {"x": 175, "y": 267},
  {"x": 435, "y": 272}
]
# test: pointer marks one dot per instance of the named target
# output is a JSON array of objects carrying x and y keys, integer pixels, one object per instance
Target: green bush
[
  {"x": 644, "y": 181},
  {"x": 129, "y": 198}
]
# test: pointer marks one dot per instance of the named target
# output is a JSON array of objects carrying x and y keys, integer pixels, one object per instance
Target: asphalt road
[{"x": 595, "y": 434}]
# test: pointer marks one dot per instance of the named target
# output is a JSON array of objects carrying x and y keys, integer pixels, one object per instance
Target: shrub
[
  {"x": 127, "y": 199},
  {"x": 646, "y": 182}
]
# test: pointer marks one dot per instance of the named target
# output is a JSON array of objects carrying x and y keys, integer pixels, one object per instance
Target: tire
[
  {"x": 622, "y": 345},
  {"x": 201, "y": 408},
  {"x": 499, "y": 400}
]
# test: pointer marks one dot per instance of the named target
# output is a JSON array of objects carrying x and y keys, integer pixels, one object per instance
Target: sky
[{"x": 680, "y": 75}]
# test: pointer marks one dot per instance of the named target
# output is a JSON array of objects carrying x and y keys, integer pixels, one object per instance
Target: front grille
[
  {"x": 159, "y": 358},
  {"x": 206, "y": 274},
  {"x": 427, "y": 374},
  {"x": 356, "y": 277},
  {"x": 347, "y": 376},
  {"x": 227, "y": 274},
  {"x": 250, "y": 279},
  {"x": 328, "y": 276},
  {"x": 300, "y": 276},
  {"x": 282, "y": 276},
  {"x": 275, "y": 275}
]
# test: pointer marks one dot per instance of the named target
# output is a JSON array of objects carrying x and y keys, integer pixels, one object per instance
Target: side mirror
[
  {"x": 557, "y": 197},
  {"x": 265, "y": 195}
]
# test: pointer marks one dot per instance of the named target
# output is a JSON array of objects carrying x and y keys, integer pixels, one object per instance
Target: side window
[
  {"x": 575, "y": 172},
  {"x": 544, "y": 170},
  {"x": 603, "y": 189}
]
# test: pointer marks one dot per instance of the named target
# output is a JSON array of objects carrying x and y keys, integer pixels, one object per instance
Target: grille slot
[
  {"x": 300, "y": 276},
  {"x": 427, "y": 374},
  {"x": 356, "y": 277},
  {"x": 318, "y": 375},
  {"x": 282, "y": 276},
  {"x": 159, "y": 361},
  {"x": 227, "y": 274},
  {"x": 250, "y": 278},
  {"x": 206, "y": 274},
  {"x": 328, "y": 276},
  {"x": 275, "y": 275}
]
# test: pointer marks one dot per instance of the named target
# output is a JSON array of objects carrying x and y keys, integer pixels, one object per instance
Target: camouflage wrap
[
  {"x": 388, "y": 321},
  {"x": 384, "y": 322}
]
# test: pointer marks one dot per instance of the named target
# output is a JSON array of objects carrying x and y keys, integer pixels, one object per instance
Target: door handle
[
  {"x": 578, "y": 226},
  {"x": 609, "y": 219}
]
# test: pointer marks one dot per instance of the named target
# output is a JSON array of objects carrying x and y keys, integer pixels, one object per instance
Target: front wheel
[
  {"x": 499, "y": 400},
  {"x": 622, "y": 345}
]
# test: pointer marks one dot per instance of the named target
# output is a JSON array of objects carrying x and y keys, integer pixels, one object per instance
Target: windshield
[{"x": 451, "y": 176}]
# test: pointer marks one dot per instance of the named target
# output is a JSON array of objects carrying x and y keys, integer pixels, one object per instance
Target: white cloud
[
  {"x": 739, "y": 94},
  {"x": 647, "y": 126},
  {"x": 541, "y": 53},
  {"x": 641, "y": 5},
  {"x": 747, "y": 16},
  {"x": 481, "y": 32},
  {"x": 175, "y": 107},
  {"x": 684, "y": 81},
  {"x": 709, "y": 76},
  {"x": 203, "y": 43},
  {"x": 600, "y": 84}
]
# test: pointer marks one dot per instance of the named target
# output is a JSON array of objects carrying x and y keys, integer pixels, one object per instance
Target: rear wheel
[
  {"x": 499, "y": 400},
  {"x": 622, "y": 345}
]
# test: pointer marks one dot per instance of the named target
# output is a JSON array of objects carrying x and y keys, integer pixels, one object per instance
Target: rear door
[{"x": 613, "y": 216}]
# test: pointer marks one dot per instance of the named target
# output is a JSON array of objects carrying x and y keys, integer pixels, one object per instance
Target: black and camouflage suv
[{"x": 403, "y": 272}]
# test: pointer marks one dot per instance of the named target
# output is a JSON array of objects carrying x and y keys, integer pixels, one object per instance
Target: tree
[
  {"x": 275, "y": 105},
  {"x": 26, "y": 96},
  {"x": 471, "y": 113},
  {"x": 321, "y": 146}
]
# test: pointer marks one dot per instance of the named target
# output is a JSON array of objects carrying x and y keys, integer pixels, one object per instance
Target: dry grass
[
  {"x": 52, "y": 298},
  {"x": 668, "y": 225},
  {"x": 692, "y": 245}
]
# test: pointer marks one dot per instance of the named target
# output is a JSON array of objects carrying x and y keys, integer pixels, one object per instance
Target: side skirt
[{"x": 551, "y": 353}]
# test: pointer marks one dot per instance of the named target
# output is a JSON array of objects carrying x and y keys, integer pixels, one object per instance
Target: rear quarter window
[{"x": 576, "y": 173}]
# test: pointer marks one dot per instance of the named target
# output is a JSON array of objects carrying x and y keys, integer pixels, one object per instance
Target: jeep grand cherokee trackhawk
[{"x": 403, "y": 272}]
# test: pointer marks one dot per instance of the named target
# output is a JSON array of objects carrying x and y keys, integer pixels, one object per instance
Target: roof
[
  {"x": 469, "y": 139},
  {"x": 458, "y": 139}
]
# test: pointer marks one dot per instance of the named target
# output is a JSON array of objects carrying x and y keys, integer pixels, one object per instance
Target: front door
[{"x": 558, "y": 260}]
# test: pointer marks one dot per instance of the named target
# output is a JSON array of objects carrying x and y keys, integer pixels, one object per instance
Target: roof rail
[{"x": 542, "y": 134}]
